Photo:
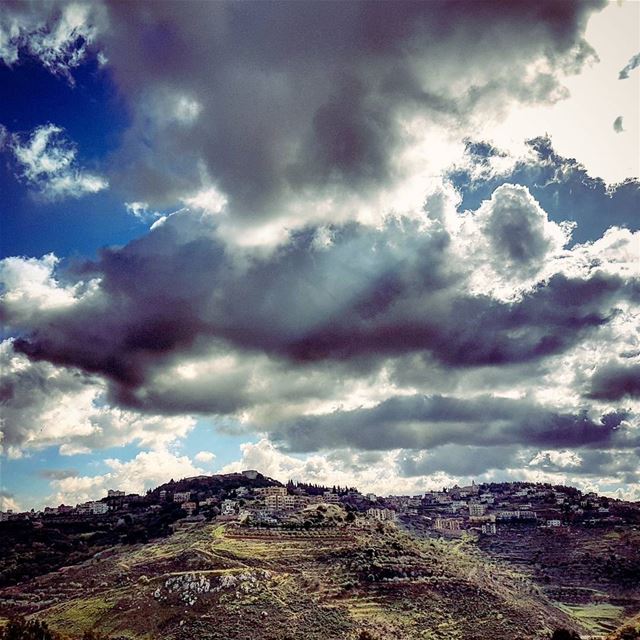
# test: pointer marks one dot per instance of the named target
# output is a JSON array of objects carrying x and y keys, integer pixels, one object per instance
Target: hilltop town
[
  {"x": 562, "y": 558},
  {"x": 252, "y": 499}
]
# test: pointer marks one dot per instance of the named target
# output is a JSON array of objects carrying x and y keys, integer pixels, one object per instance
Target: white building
[
  {"x": 448, "y": 524},
  {"x": 98, "y": 508},
  {"x": 477, "y": 509},
  {"x": 280, "y": 502},
  {"x": 189, "y": 507},
  {"x": 182, "y": 496},
  {"x": 383, "y": 515},
  {"x": 228, "y": 507},
  {"x": 271, "y": 491}
]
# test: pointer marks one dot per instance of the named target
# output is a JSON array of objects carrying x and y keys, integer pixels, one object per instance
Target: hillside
[{"x": 212, "y": 581}]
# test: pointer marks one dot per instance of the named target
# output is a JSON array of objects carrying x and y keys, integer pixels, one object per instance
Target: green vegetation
[
  {"x": 21, "y": 629},
  {"x": 218, "y": 582}
]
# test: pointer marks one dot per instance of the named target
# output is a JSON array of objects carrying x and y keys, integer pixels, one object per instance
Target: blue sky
[{"x": 370, "y": 257}]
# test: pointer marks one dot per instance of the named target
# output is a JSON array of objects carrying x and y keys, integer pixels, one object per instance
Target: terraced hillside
[
  {"x": 593, "y": 573},
  {"x": 221, "y": 582}
]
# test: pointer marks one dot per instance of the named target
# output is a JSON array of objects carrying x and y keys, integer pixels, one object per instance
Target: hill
[{"x": 212, "y": 581}]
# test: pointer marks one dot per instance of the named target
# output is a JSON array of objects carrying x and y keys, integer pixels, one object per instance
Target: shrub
[{"x": 21, "y": 629}]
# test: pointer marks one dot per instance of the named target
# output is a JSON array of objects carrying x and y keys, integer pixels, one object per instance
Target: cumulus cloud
[
  {"x": 328, "y": 110},
  {"x": 343, "y": 337},
  {"x": 323, "y": 283},
  {"x": 44, "y": 405},
  {"x": 47, "y": 162},
  {"x": 8, "y": 502},
  {"x": 146, "y": 471},
  {"x": 204, "y": 456}
]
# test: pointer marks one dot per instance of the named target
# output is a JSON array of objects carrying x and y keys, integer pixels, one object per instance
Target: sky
[{"x": 385, "y": 245}]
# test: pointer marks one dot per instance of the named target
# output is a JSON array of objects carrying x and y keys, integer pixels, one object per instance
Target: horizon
[
  {"x": 332, "y": 241},
  {"x": 424, "y": 493}
]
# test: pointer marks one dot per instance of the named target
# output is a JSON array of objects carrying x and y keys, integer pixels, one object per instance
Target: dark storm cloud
[
  {"x": 459, "y": 460},
  {"x": 307, "y": 94},
  {"x": 370, "y": 294},
  {"x": 424, "y": 422},
  {"x": 615, "y": 382}
]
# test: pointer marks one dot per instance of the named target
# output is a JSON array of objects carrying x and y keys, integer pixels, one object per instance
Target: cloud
[
  {"x": 58, "y": 35},
  {"x": 419, "y": 422},
  {"x": 58, "y": 474},
  {"x": 615, "y": 382},
  {"x": 633, "y": 63},
  {"x": 147, "y": 470},
  {"x": 8, "y": 502},
  {"x": 405, "y": 472},
  {"x": 44, "y": 405},
  {"x": 204, "y": 456},
  {"x": 177, "y": 322},
  {"x": 47, "y": 162},
  {"x": 327, "y": 111},
  {"x": 617, "y": 125}
]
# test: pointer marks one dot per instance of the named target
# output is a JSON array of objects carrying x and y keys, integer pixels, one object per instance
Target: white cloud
[
  {"x": 48, "y": 405},
  {"x": 369, "y": 471},
  {"x": 580, "y": 125},
  {"x": 205, "y": 456},
  {"x": 29, "y": 284},
  {"x": 147, "y": 470},
  {"x": 9, "y": 503},
  {"x": 47, "y": 162},
  {"x": 507, "y": 243},
  {"x": 141, "y": 211},
  {"x": 59, "y": 36}
]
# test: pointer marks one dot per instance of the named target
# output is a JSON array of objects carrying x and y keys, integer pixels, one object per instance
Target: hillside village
[
  {"x": 576, "y": 555},
  {"x": 251, "y": 499}
]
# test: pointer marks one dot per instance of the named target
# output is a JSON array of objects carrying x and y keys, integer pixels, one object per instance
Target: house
[
  {"x": 278, "y": 502},
  {"x": 271, "y": 491},
  {"x": 114, "y": 493},
  {"x": 330, "y": 498},
  {"x": 181, "y": 496},
  {"x": 448, "y": 524},
  {"x": 382, "y": 515},
  {"x": 228, "y": 507},
  {"x": 488, "y": 528},
  {"x": 189, "y": 507},
  {"x": 98, "y": 508},
  {"x": 477, "y": 509},
  {"x": 251, "y": 474},
  {"x": 553, "y": 523}
]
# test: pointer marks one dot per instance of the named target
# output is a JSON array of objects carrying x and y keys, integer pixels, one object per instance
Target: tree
[{"x": 21, "y": 629}]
